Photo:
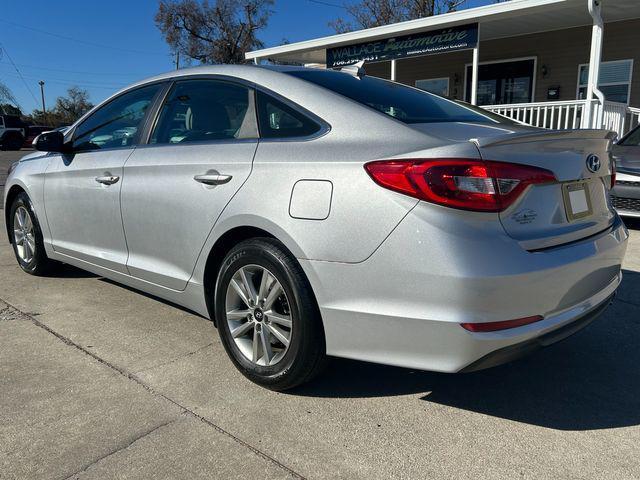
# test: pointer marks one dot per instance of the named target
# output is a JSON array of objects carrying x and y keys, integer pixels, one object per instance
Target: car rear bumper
[
  {"x": 404, "y": 305},
  {"x": 518, "y": 350}
]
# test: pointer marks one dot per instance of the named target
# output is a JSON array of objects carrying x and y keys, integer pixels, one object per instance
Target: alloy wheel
[
  {"x": 258, "y": 315},
  {"x": 23, "y": 235}
]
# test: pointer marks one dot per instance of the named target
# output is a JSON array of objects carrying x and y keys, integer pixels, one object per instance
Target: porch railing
[
  {"x": 570, "y": 114},
  {"x": 555, "y": 115},
  {"x": 633, "y": 118}
]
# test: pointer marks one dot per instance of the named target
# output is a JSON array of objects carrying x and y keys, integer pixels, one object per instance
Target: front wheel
[
  {"x": 267, "y": 315},
  {"x": 27, "y": 241}
]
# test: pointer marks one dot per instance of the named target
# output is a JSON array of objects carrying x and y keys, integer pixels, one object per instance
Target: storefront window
[
  {"x": 439, "y": 86},
  {"x": 503, "y": 82},
  {"x": 614, "y": 80}
]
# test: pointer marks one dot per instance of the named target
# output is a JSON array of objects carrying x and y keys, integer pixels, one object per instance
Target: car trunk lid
[
  {"x": 574, "y": 207},
  {"x": 540, "y": 217}
]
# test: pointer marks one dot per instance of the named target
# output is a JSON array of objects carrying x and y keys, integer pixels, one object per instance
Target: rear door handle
[
  {"x": 107, "y": 179},
  {"x": 213, "y": 179}
]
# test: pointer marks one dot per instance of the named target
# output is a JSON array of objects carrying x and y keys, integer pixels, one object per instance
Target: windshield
[{"x": 407, "y": 104}]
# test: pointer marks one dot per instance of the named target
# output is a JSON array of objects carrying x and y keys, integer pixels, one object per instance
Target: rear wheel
[
  {"x": 27, "y": 241},
  {"x": 267, "y": 316}
]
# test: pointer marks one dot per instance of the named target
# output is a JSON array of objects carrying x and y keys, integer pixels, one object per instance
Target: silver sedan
[{"x": 314, "y": 213}]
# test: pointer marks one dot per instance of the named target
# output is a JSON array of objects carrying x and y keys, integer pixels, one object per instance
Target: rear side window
[
  {"x": 278, "y": 120},
  {"x": 205, "y": 110},
  {"x": 13, "y": 122},
  {"x": 409, "y": 105}
]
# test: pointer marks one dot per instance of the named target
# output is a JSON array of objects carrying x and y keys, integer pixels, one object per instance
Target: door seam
[{"x": 124, "y": 232}]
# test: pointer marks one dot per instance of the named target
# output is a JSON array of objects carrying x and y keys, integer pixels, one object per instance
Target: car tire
[
  {"x": 23, "y": 224},
  {"x": 273, "y": 363}
]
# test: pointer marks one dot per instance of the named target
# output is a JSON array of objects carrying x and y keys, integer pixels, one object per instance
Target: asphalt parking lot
[{"x": 100, "y": 381}]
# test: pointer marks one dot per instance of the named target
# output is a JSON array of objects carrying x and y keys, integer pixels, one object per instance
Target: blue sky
[{"x": 117, "y": 42}]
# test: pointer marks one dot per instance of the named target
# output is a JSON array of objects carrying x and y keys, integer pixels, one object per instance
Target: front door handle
[
  {"x": 107, "y": 179},
  {"x": 213, "y": 179}
]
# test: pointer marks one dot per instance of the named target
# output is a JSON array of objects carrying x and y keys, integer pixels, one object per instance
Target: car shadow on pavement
[
  {"x": 632, "y": 223},
  {"x": 69, "y": 271},
  {"x": 149, "y": 295},
  {"x": 589, "y": 381}
]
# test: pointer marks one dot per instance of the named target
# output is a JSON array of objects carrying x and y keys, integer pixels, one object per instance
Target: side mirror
[{"x": 51, "y": 142}]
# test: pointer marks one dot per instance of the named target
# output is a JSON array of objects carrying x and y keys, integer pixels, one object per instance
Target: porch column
[
  {"x": 393, "y": 70},
  {"x": 592, "y": 118},
  {"x": 474, "y": 71}
]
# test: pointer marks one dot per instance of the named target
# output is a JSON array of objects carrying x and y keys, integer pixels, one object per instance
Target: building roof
[{"x": 508, "y": 19}]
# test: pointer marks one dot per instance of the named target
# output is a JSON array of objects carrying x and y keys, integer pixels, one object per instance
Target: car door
[
  {"x": 82, "y": 188},
  {"x": 198, "y": 155}
]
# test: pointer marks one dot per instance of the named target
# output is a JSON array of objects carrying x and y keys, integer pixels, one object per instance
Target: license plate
[{"x": 577, "y": 201}]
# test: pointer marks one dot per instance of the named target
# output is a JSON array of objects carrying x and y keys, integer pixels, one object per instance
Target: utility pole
[
  {"x": 44, "y": 111},
  {"x": 177, "y": 59}
]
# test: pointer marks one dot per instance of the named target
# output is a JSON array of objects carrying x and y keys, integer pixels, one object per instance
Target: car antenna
[{"x": 357, "y": 69}]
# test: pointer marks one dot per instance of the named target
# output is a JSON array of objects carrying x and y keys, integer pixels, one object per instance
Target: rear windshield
[{"x": 403, "y": 103}]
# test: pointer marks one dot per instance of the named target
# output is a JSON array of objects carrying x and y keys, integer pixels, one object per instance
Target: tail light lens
[
  {"x": 503, "y": 325},
  {"x": 459, "y": 183},
  {"x": 613, "y": 172}
]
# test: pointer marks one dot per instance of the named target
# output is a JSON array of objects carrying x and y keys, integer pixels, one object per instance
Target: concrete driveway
[{"x": 100, "y": 381}]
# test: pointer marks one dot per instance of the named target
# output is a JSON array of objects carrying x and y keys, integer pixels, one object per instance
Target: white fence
[
  {"x": 633, "y": 118},
  {"x": 570, "y": 114}
]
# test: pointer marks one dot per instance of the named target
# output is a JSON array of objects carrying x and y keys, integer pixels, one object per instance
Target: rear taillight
[
  {"x": 502, "y": 325},
  {"x": 459, "y": 183},
  {"x": 613, "y": 172}
]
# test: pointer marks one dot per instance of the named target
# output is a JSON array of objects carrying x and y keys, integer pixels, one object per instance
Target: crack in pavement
[
  {"x": 10, "y": 313},
  {"x": 120, "y": 449},
  {"x": 179, "y": 357},
  {"x": 151, "y": 390}
]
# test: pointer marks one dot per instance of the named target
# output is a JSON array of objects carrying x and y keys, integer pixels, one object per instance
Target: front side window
[
  {"x": 279, "y": 120},
  {"x": 409, "y": 105},
  {"x": 205, "y": 110},
  {"x": 614, "y": 80},
  {"x": 116, "y": 124}
]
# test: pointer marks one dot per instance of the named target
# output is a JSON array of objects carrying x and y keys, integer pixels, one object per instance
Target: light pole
[{"x": 44, "y": 111}]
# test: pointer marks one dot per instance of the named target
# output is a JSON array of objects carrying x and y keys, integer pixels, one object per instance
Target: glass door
[{"x": 503, "y": 82}]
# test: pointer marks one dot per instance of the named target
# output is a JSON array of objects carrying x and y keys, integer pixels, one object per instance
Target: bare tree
[
  {"x": 6, "y": 96},
  {"x": 373, "y": 13},
  {"x": 70, "y": 108},
  {"x": 220, "y": 31},
  {"x": 66, "y": 110}
]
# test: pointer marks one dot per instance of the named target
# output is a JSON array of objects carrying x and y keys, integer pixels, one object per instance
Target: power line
[
  {"x": 3, "y": 49},
  {"x": 35, "y": 67},
  {"x": 71, "y": 39},
  {"x": 328, "y": 4},
  {"x": 72, "y": 82}
]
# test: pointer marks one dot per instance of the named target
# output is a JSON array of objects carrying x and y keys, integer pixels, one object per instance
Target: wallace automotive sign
[{"x": 426, "y": 43}]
